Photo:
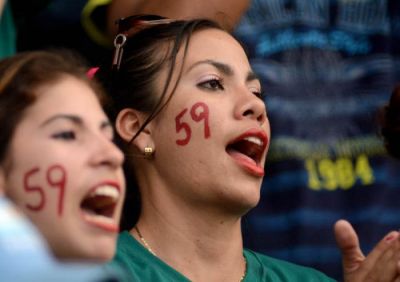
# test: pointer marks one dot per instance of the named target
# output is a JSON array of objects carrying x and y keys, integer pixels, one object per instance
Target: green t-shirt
[
  {"x": 7, "y": 33},
  {"x": 141, "y": 265}
]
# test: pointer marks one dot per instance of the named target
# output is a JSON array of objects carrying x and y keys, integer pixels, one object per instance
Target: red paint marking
[
  {"x": 203, "y": 115},
  {"x": 56, "y": 177},
  {"x": 182, "y": 125},
  {"x": 197, "y": 117},
  {"x": 34, "y": 189}
]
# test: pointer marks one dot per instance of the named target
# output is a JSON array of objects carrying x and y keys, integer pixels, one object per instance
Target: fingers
[
  {"x": 347, "y": 241},
  {"x": 382, "y": 263},
  {"x": 383, "y": 258},
  {"x": 385, "y": 268}
]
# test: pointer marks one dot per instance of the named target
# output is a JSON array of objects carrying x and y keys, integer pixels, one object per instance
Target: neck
[{"x": 199, "y": 244}]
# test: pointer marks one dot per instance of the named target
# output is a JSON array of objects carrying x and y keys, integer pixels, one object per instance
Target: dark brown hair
[
  {"x": 145, "y": 54},
  {"x": 22, "y": 75},
  {"x": 390, "y": 123}
]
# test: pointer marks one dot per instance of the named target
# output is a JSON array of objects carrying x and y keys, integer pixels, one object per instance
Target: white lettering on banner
[
  {"x": 364, "y": 16},
  {"x": 360, "y": 16}
]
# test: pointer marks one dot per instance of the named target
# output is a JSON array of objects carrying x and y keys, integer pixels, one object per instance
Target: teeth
[
  {"x": 254, "y": 140},
  {"x": 109, "y": 191}
]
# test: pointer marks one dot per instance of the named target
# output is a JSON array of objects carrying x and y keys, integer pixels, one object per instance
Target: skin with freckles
[{"x": 59, "y": 152}]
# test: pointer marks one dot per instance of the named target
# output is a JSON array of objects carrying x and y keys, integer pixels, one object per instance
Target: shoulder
[
  {"x": 129, "y": 252},
  {"x": 270, "y": 269}
]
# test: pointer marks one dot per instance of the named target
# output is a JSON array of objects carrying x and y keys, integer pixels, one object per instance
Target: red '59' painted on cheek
[
  {"x": 198, "y": 112},
  {"x": 55, "y": 177},
  {"x": 30, "y": 188}
]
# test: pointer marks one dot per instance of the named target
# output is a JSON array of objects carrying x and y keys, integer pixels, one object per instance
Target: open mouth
[
  {"x": 248, "y": 150},
  {"x": 99, "y": 207},
  {"x": 251, "y": 146}
]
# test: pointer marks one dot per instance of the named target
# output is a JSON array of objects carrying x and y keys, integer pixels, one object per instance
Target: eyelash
[
  {"x": 260, "y": 94},
  {"x": 65, "y": 135},
  {"x": 218, "y": 85},
  {"x": 212, "y": 84}
]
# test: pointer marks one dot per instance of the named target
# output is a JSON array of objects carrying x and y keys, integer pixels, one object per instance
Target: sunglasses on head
[{"x": 128, "y": 27}]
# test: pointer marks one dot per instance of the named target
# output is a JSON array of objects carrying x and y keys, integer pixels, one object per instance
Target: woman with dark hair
[
  {"x": 58, "y": 163},
  {"x": 189, "y": 115}
]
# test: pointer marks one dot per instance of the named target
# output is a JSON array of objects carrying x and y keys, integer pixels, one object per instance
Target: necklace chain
[
  {"x": 144, "y": 241},
  {"x": 245, "y": 269},
  {"x": 147, "y": 246}
]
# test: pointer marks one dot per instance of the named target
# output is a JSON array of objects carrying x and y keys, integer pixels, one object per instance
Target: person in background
[
  {"x": 76, "y": 25},
  {"x": 327, "y": 67},
  {"x": 14, "y": 14},
  {"x": 58, "y": 163},
  {"x": 190, "y": 115},
  {"x": 226, "y": 13},
  {"x": 7, "y": 30}
]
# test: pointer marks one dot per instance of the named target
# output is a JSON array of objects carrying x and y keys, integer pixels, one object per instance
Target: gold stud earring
[{"x": 148, "y": 152}]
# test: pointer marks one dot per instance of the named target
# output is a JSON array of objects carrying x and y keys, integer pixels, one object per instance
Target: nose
[
  {"x": 106, "y": 153},
  {"x": 250, "y": 106}
]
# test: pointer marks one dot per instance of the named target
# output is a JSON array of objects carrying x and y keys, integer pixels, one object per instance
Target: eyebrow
[
  {"x": 75, "y": 119},
  {"x": 106, "y": 124},
  {"x": 225, "y": 69}
]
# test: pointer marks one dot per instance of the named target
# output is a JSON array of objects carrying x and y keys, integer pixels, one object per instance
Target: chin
[
  {"x": 242, "y": 205},
  {"x": 250, "y": 201},
  {"x": 99, "y": 252},
  {"x": 103, "y": 253}
]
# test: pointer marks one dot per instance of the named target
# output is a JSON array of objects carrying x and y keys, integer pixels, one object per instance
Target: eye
[
  {"x": 212, "y": 84},
  {"x": 259, "y": 94},
  {"x": 108, "y": 131},
  {"x": 65, "y": 135},
  {"x": 257, "y": 91}
]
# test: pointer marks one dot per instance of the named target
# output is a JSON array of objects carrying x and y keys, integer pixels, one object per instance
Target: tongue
[
  {"x": 98, "y": 205},
  {"x": 238, "y": 155},
  {"x": 247, "y": 148}
]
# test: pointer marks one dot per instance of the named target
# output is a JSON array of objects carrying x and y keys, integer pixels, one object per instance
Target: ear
[{"x": 128, "y": 123}]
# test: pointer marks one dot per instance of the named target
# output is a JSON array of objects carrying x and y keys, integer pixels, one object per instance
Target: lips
[
  {"x": 247, "y": 150},
  {"x": 99, "y": 206}
]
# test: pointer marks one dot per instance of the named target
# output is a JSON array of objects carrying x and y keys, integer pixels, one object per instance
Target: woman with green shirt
[{"x": 190, "y": 117}]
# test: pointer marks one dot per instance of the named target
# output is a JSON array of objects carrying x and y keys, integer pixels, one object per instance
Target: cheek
[
  {"x": 194, "y": 118},
  {"x": 56, "y": 177},
  {"x": 43, "y": 189},
  {"x": 36, "y": 179},
  {"x": 267, "y": 127}
]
